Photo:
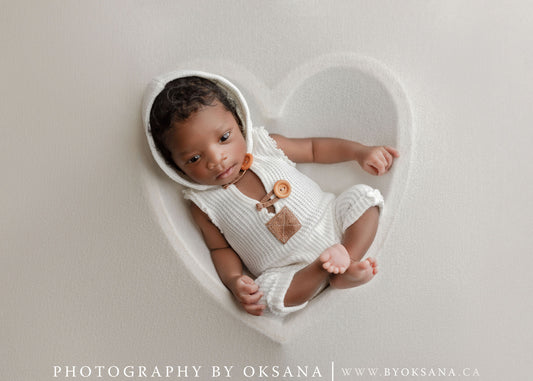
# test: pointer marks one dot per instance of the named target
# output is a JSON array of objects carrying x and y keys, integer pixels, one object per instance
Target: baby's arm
[
  {"x": 228, "y": 265},
  {"x": 375, "y": 160}
]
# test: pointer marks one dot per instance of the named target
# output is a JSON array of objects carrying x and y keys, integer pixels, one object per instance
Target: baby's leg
[
  {"x": 307, "y": 282},
  {"x": 357, "y": 240}
]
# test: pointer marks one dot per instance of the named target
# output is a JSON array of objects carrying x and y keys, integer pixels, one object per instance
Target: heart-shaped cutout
[{"x": 341, "y": 95}]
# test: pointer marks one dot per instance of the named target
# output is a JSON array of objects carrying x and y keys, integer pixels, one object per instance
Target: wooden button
[
  {"x": 282, "y": 189},
  {"x": 247, "y": 163}
]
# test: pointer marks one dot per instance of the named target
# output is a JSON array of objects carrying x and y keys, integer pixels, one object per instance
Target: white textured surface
[{"x": 88, "y": 275}]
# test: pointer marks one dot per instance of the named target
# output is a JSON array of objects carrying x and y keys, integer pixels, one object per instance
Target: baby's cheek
[{"x": 179, "y": 167}]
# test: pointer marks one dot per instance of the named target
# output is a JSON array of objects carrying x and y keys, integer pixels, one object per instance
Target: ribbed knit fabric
[
  {"x": 352, "y": 203},
  {"x": 322, "y": 217}
]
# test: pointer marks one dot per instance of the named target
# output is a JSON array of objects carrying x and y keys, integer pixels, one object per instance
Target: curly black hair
[{"x": 180, "y": 99}]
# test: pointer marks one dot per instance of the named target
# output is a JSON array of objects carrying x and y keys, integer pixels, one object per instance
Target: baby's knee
[{"x": 355, "y": 202}]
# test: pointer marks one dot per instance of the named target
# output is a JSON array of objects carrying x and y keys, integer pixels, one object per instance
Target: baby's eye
[
  {"x": 225, "y": 137},
  {"x": 193, "y": 159}
]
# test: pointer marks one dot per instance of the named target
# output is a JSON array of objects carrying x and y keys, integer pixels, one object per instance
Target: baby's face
[{"x": 209, "y": 146}]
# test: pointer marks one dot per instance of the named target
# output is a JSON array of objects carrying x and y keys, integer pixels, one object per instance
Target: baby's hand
[
  {"x": 377, "y": 160},
  {"x": 247, "y": 293}
]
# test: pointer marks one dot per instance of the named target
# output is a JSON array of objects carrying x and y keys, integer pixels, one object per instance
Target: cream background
[{"x": 88, "y": 274}]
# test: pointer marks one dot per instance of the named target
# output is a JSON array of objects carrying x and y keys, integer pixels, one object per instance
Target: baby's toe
[
  {"x": 333, "y": 270},
  {"x": 325, "y": 256}
]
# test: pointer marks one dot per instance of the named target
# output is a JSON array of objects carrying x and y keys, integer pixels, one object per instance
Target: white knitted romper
[{"x": 323, "y": 219}]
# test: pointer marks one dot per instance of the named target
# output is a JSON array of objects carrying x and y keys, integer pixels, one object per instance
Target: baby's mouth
[{"x": 227, "y": 173}]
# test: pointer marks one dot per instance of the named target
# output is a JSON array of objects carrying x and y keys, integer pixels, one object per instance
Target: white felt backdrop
[{"x": 88, "y": 273}]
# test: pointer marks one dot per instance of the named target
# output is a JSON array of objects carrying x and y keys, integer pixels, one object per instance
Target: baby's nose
[{"x": 215, "y": 160}]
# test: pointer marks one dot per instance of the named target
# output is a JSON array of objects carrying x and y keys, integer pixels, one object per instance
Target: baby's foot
[
  {"x": 357, "y": 274},
  {"x": 335, "y": 259}
]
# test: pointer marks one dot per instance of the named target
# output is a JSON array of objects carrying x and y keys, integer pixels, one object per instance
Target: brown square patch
[{"x": 284, "y": 225}]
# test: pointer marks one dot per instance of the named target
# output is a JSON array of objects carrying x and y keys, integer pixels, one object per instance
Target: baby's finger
[
  {"x": 255, "y": 309},
  {"x": 372, "y": 169},
  {"x": 378, "y": 165},
  {"x": 384, "y": 162},
  {"x": 251, "y": 299},
  {"x": 393, "y": 151},
  {"x": 389, "y": 159},
  {"x": 248, "y": 285}
]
